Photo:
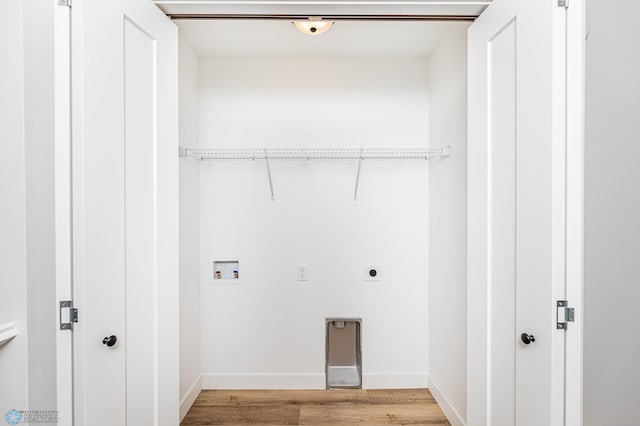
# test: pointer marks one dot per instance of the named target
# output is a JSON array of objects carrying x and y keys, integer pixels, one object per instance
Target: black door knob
[
  {"x": 109, "y": 340},
  {"x": 527, "y": 338}
]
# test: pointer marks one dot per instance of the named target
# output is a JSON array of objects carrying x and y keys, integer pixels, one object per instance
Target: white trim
[
  {"x": 62, "y": 208},
  {"x": 325, "y": 3},
  {"x": 263, "y": 381},
  {"x": 395, "y": 380},
  {"x": 77, "y": 211},
  {"x": 445, "y": 404},
  {"x": 187, "y": 401},
  {"x": 558, "y": 212},
  {"x": 576, "y": 30},
  {"x": 387, "y": 380},
  {"x": 322, "y": 7}
]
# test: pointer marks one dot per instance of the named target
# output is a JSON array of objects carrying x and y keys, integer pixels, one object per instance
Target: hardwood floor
[{"x": 316, "y": 407}]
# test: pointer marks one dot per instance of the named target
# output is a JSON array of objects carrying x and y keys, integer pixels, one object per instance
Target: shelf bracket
[
  {"x": 7, "y": 332},
  {"x": 266, "y": 160},
  {"x": 355, "y": 192}
]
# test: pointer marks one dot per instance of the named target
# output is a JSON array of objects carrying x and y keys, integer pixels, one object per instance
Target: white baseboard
[
  {"x": 310, "y": 381},
  {"x": 395, "y": 380},
  {"x": 263, "y": 381},
  {"x": 188, "y": 400},
  {"x": 447, "y": 408}
]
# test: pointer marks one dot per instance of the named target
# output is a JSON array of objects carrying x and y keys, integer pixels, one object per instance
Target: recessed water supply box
[
  {"x": 226, "y": 271},
  {"x": 343, "y": 368}
]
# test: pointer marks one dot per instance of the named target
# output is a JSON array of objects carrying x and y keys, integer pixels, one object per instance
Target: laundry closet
[
  {"x": 372, "y": 204},
  {"x": 274, "y": 245}
]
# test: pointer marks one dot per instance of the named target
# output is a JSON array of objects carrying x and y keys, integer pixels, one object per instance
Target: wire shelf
[{"x": 314, "y": 153}]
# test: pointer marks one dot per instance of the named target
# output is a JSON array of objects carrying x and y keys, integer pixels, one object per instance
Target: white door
[
  {"x": 516, "y": 214},
  {"x": 125, "y": 228}
]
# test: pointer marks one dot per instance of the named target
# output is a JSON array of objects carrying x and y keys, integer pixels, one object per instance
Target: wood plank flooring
[{"x": 316, "y": 407}]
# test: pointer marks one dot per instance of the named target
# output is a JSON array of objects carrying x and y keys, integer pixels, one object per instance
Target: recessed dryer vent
[{"x": 343, "y": 353}]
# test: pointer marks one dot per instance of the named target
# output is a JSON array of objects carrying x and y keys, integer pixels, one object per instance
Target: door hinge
[
  {"x": 68, "y": 315},
  {"x": 564, "y": 314},
  {"x": 66, "y": 3},
  {"x": 563, "y": 3}
]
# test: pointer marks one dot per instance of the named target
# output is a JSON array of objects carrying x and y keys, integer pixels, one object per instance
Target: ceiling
[{"x": 279, "y": 38}]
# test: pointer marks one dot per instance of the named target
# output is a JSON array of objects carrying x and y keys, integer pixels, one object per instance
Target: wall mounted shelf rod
[{"x": 359, "y": 154}]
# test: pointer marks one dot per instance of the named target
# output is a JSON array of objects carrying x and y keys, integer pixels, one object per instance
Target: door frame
[
  {"x": 575, "y": 86},
  {"x": 575, "y": 19},
  {"x": 62, "y": 202}
]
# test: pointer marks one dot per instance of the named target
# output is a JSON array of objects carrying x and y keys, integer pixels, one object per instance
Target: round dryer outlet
[{"x": 372, "y": 273}]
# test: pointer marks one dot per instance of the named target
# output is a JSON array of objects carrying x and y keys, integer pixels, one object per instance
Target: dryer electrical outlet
[{"x": 372, "y": 273}]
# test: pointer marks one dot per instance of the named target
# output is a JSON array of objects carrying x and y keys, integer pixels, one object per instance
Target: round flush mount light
[{"x": 313, "y": 26}]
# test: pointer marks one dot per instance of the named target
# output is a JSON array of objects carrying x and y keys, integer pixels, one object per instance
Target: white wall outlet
[
  {"x": 302, "y": 273},
  {"x": 372, "y": 273}
]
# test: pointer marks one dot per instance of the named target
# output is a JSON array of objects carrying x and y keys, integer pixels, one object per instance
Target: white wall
[
  {"x": 448, "y": 225},
  {"x": 269, "y": 331},
  {"x": 13, "y": 267},
  {"x": 190, "y": 350},
  {"x": 612, "y": 212}
]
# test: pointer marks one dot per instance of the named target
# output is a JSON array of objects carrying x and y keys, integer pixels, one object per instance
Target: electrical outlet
[
  {"x": 302, "y": 273},
  {"x": 372, "y": 273}
]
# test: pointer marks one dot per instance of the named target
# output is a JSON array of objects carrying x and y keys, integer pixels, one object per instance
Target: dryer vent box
[{"x": 343, "y": 353}]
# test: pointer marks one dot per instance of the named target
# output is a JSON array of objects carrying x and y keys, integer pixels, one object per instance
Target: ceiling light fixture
[{"x": 313, "y": 26}]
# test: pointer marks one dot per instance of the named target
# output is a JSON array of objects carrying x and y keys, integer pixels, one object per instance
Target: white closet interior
[{"x": 384, "y": 105}]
